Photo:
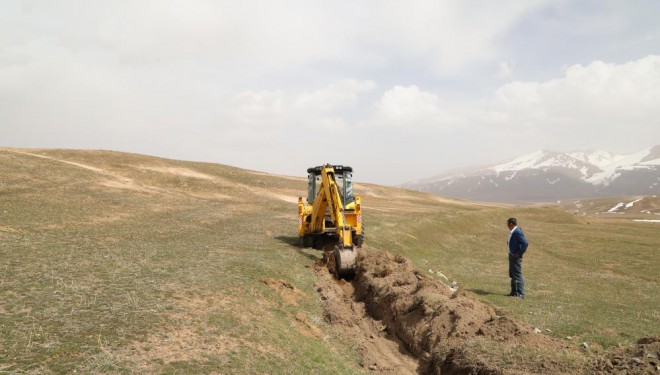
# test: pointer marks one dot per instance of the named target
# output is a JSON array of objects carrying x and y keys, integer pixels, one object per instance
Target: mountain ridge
[{"x": 547, "y": 175}]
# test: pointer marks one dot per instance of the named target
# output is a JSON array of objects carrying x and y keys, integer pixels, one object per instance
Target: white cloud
[
  {"x": 412, "y": 108},
  {"x": 177, "y": 78},
  {"x": 600, "y": 105},
  {"x": 261, "y": 109},
  {"x": 249, "y": 36},
  {"x": 329, "y": 124},
  {"x": 448, "y": 36},
  {"x": 257, "y": 38},
  {"x": 587, "y": 98},
  {"x": 505, "y": 70},
  {"x": 276, "y": 110},
  {"x": 335, "y": 96}
]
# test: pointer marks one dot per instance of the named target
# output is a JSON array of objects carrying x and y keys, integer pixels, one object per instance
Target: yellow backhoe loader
[{"x": 332, "y": 216}]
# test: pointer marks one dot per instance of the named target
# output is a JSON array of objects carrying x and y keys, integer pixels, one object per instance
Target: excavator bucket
[{"x": 345, "y": 262}]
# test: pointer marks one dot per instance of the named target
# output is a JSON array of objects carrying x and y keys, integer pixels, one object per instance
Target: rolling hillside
[{"x": 124, "y": 263}]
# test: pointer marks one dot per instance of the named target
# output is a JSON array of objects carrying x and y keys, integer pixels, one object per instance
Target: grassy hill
[{"x": 122, "y": 263}]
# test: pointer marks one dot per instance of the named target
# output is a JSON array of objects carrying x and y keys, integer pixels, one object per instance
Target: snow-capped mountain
[{"x": 544, "y": 176}]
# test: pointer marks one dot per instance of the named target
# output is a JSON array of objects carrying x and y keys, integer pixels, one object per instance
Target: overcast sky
[{"x": 399, "y": 90}]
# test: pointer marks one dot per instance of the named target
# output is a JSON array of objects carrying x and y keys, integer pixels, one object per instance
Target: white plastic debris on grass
[
  {"x": 439, "y": 274},
  {"x": 453, "y": 286}
]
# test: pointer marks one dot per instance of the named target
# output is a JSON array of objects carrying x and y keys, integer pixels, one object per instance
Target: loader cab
[{"x": 344, "y": 177}]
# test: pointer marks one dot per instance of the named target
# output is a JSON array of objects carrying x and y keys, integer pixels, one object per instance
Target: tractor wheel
[
  {"x": 358, "y": 240},
  {"x": 305, "y": 241}
]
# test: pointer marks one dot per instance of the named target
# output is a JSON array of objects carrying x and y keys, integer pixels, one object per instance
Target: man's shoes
[{"x": 521, "y": 296}]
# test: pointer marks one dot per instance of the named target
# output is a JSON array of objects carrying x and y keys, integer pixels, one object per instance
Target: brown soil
[
  {"x": 289, "y": 293},
  {"x": 641, "y": 359},
  {"x": 304, "y": 326},
  {"x": 403, "y": 322},
  {"x": 380, "y": 351},
  {"x": 182, "y": 339}
]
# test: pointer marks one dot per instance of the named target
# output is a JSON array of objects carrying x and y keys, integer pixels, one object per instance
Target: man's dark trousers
[{"x": 515, "y": 273}]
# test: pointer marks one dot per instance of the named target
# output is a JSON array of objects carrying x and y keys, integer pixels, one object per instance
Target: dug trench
[{"x": 402, "y": 322}]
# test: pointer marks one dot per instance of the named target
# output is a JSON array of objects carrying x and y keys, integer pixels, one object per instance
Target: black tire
[
  {"x": 317, "y": 242},
  {"x": 305, "y": 241},
  {"x": 358, "y": 240}
]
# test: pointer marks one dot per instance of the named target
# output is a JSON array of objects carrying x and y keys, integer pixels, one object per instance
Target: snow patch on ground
[
  {"x": 615, "y": 208},
  {"x": 623, "y": 205},
  {"x": 599, "y": 158},
  {"x": 523, "y": 162},
  {"x": 628, "y": 205},
  {"x": 509, "y": 178},
  {"x": 603, "y": 178}
]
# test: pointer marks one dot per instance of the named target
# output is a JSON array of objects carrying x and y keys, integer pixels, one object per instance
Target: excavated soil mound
[
  {"x": 289, "y": 293},
  {"x": 642, "y": 359},
  {"x": 402, "y": 322},
  {"x": 392, "y": 311},
  {"x": 435, "y": 322},
  {"x": 380, "y": 351}
]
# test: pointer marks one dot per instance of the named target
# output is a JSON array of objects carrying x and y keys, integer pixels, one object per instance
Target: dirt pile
[
  {"x": 641, "y": 359},
  {"x": 289, "y": 293},
  {"x": 437, "y": 331},
  {"x": 380, "y": 351},
  {"x": 437, "y": 323}
]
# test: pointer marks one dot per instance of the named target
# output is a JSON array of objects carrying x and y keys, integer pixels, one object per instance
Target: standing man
[{"x": 517, "y": 246}]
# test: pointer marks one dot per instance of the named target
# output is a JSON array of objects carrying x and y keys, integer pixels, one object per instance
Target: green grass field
[{"x": 122, "y": 263}]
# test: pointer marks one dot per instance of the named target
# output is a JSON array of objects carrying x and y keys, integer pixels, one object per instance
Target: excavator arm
[
  {"x": 328, "y": 196},
  {"x": 314, "y": 223}
]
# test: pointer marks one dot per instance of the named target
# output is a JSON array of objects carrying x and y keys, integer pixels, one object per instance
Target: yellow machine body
[{"x": 332, "y": 214}]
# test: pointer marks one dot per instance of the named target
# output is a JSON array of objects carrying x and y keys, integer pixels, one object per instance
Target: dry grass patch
[
  {"x": 185, "y": 172},
  {"x": 185, "y": 335}
]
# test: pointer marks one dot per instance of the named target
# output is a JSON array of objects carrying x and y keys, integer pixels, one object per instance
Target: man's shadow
[{"x": 481, "y": 292}]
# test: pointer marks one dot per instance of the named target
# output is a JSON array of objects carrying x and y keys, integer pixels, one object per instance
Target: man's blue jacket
[{"x": 518, "y": 242}]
